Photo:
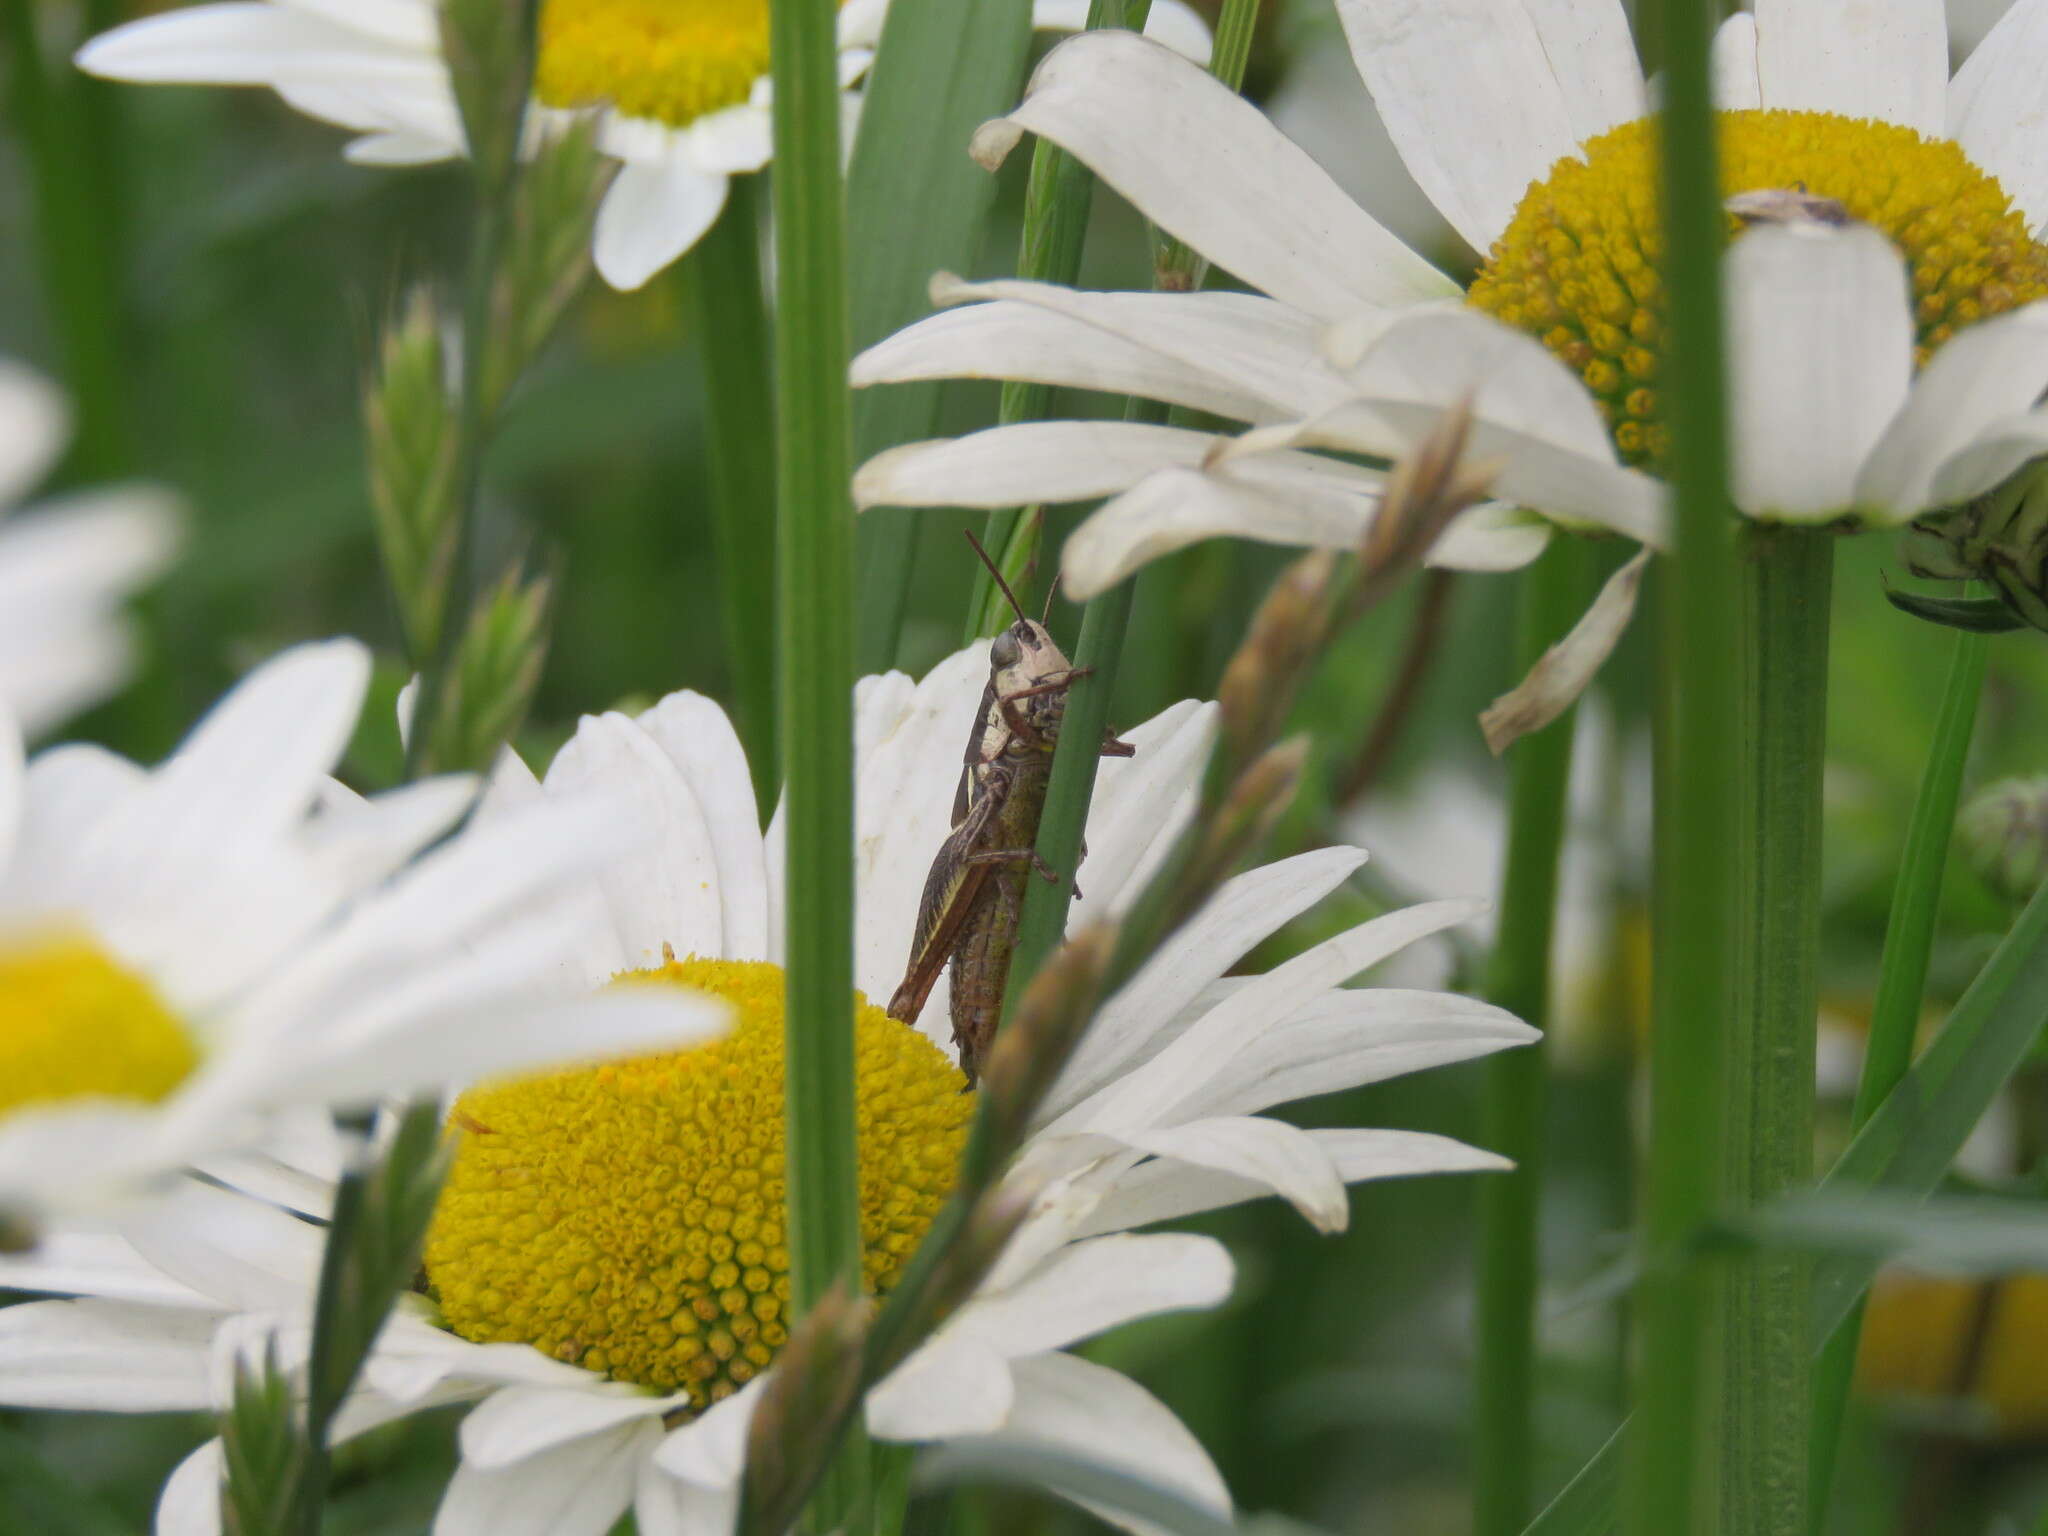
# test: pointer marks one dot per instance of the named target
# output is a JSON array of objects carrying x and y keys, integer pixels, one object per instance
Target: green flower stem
[
  {"x": 76, "y": 229},
  {"x": 1767, "y": 1123},
  {"x": 1518, "y": 979},
  {"x": 1056, "y": 203},
  {"x": 1675, "y": 1444},
  {"x": 917, "y": 204},
  {"x": 814, "y": 535},
  {"x": 722, "y": 278},
  {"x": 1901, "y": 983}
]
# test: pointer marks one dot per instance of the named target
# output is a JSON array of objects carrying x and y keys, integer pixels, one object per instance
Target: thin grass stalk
[
  {"x": 76, "y": 236},
  {"x": 1056, "y": 201},
  {"x": 1784, "y": 579},
  {"x": 1676, "y": 1440},
  {"x": 814, "y": 532},
  {"x": 496, "y": 186},
  {"x": 1519, "y": 980},
  {"x": 722, "y": 278},
  {"x": 1895, "y": 1016}
]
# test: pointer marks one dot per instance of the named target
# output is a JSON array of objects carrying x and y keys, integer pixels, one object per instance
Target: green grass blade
[
  {"x": 916, "y": 204},
  {"x": 1901, "y": 983},
  {"x": 814, "y": 535},
  {"x": 722, "y": 279}
]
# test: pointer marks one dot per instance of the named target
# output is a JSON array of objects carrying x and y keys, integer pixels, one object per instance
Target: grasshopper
[{"x": 974, "y": 894}]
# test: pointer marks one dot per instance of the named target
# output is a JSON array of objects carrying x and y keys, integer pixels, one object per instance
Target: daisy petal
[
  {"x": 239, "y": 44},
  {"x": 37, "y": 421},
  {"x": 577, "y": 1489},
  {"x": 1244, "y": 498},
  {"x": 1999, "y": 102},
  {"x": 1164, "y": 1190},
  {"x": 1087, "y": 1288},
  {"x": 190, "y": 1502},
  {"x": 667, "y": 1506},
  {"x": 1178, "y": 26},
  {"x": 1050, "y": 461},
  {"x": 1140, "y": 805},
  {"x": 1999, "y": 452},
  {"x": 1989, "y": 373},
  {"x": 699, "y": 739},
  {"x": 1736, "y": 88},
  {"x": 1022, "y": 341},
  {"x": 1556, "y": 73},
  {"x": 1530, "y": 411},
  {"x": 1194, "y": 1063},
  {"x": 711, "y": 1450},
  {"x": 732, "y": 142},
  {"x": 1137, "y": 1023},
  {"x": 1493, "y": 536},
  {"x": 1564, "y": 671},
  {"x": 955, "y": 1384},
  {"x": 398, "y": 148},
  {"x": 1063, "y": 1400},
  {"x": 651, "y": 214},
  {"x": 666, "y": 890},
  {"x": 1886, "y": 59},
  {"x": 1245, "y": 341},
  {"x": 1271, "y": 1153},
  {"x": 105, "y": 1355},
  {"x": 1203, "y": 163},
  {"x": 98, "y": 1264},
  {"x": 237, "y": 1251},
  {"x": 13, "y": 788},
  {"x": 517, "y": 1422},
  {"x": 1820, "y": 345}
]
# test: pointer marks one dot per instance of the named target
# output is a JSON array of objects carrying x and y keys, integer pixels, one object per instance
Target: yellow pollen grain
[
  {"x": 670, "y": 60},
  {"x": 1577, "y": 265},
  {"x": 629, "y": 1218},
  {"x": 75, "y": 1023}
]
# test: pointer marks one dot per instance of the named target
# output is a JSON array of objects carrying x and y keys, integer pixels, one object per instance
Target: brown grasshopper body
[{"x": 974, "y": 895}]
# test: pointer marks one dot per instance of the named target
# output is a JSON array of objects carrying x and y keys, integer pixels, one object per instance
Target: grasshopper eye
[{"x": 1004, "y": 651}]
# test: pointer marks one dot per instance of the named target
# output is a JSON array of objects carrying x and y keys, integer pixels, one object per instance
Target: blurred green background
[{"x": 251, "y": 269}]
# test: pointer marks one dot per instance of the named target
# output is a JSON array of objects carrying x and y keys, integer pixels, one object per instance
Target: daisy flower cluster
[{"x": 607, "y": 1274}]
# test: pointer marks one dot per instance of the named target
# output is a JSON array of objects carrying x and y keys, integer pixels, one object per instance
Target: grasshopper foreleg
[{"x": 1014, "y": 856}]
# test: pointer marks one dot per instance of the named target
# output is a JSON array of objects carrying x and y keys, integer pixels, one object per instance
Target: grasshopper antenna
[{"x": 1014, "y": 604}]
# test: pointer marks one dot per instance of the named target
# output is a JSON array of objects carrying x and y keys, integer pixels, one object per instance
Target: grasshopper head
[{"x": 1025, "y": 654}]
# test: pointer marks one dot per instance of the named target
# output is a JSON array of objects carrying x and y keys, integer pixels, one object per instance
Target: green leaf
[
  {"x": 1978, "y": 1235},
  {"x": 1979, "y": 615},
  {"x": 916, "y": 204}
]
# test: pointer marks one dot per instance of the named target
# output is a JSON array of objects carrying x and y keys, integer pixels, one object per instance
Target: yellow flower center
[
  {"x": 1577, "y": 265},
  {"x": 628, "y": 1218},
  {"x": 670, "y": 60},
  {"x": 75, "y": 1023}
]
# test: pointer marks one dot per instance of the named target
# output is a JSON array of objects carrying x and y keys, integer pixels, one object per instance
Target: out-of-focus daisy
[
  {"x": 187, "y": 948},
  {"x": 607, "y": 1271},
  {"x": 65, "y": 566},
  {"x": 1525, "y": 124},
  {"x": 683, "y": 88}
]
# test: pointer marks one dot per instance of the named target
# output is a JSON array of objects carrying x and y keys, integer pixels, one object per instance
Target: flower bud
[
  {"x": 2004, "y": 831},
  {"x": 2001, "y": 538}
]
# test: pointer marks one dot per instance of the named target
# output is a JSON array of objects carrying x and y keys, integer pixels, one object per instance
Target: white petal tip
[{"x": 993, "y": 141}]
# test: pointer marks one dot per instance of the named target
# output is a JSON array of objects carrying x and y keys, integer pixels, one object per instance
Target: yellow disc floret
[
  {"x": 670, "y": 60},
  {"x": 628, "y": 1218},
  {"x": 75, "y": 1023},
  {"x": 1577, "y": 265}
]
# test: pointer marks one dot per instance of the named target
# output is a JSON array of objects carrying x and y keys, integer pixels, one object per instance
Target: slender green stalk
[
  {"x": 76, "y": 231},
  {"x": 917, "y": 204},
  {"x": 722, "y": 277},
  {"x": 814, "y": 532},
  {"x": 1895, "y": 1017},
  {"x": 1675, "y": 1446},
  {"x": 1056, "y": 203},
  {"x": 1767, "y": 1122},
  {"x": 1518, "y": 979}
]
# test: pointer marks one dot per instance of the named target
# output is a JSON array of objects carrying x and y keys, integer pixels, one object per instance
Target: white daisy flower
[
  {"x": 608, "y": 1267},
  {"x": 185, "y": 948},
  {"x": 1524, "y": 122},
  {"x": 65, "y": 566},
  {"x": 684, "y": 89}
]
